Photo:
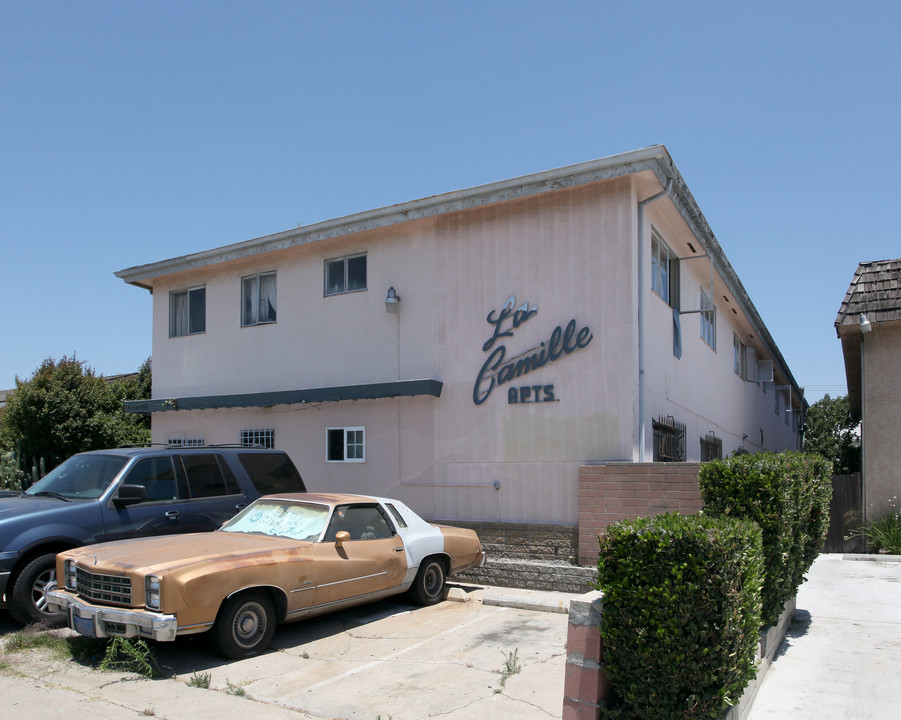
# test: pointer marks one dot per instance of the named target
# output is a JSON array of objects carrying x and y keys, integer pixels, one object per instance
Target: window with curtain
[
  {"x": 708, "y": 320},
  {"x": 187, "y": 312},
  {"x": 739, "y": 357},
  {"x": 258, "y": 299},
  {"x": 664, "y": 271}
]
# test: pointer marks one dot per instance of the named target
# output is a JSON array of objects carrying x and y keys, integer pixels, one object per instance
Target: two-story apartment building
[{"x": 467, "y": 352}]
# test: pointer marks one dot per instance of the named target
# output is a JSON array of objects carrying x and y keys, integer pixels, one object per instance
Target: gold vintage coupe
[{"x": 283, "y": 558}]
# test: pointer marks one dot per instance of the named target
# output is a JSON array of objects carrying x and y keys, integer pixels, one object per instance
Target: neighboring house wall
[
  {"x": 869, "y": 327},
  {"x": 567, "y": 254},
  {"x": 881, "y": 359}
]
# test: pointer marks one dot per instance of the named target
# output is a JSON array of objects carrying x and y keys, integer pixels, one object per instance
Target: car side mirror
[
  {"x": 130, "y": 495},
  {"x": 341, "y": 538}
]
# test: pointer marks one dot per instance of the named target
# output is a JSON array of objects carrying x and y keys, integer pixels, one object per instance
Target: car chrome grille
[{"x": 106, "y": 588}]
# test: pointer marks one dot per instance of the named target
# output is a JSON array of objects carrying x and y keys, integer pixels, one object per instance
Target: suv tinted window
[
  {"x": 205, "y": 477},
  {"x": 157, "y": 475},
  {"x": 272, "y": 473}
]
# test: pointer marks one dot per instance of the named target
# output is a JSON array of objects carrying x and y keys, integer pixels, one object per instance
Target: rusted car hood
[{"x": 169, "y": 552}]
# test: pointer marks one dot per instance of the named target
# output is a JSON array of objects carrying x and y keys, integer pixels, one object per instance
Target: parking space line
[{"x": 397, "y": 654}]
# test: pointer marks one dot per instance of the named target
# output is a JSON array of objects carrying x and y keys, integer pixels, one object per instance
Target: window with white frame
[
  {"x": 344, "y": 275},
  {"x": 258, "y": 437},
  {"x": 664, "y": 271},
  {"x": 346, "y": 444},
  {"x": 187, "y": 312},
  {"x": 258, "y": 299},
  {"x": 185, "y": 441},
  {"x": 740, "y": 357},
  {"x": 708, "y": 320}
]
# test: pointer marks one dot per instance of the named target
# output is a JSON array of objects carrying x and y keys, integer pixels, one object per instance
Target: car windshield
[
  {"x": 81, "y": 476},
  {"x": 292, "y": 520}
]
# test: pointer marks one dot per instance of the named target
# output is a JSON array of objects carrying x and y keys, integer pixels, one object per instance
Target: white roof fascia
[{"x": 652, "y": 158}]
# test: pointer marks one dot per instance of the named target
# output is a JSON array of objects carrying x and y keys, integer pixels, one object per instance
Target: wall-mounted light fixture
[
  {"x": 392, "y": 301},
  {"x": 865, "y": 325}
]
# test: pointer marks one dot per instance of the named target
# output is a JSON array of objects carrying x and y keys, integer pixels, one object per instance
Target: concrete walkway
[{"x": 841, "y": 659}]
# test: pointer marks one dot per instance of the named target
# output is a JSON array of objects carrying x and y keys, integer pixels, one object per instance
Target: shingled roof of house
[{"x": 875, "y": 291}]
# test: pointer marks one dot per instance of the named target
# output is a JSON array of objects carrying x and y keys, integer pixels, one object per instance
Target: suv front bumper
[{"x": 102, "y": 621}]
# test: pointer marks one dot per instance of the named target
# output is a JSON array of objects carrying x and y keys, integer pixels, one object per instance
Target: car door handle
[
  {"x": 173, "y": 515},
  {"x": 400, "y": 549},
  {"x": 240, "y": 506}
]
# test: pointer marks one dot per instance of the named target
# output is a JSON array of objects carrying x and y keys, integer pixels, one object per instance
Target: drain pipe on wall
[{"x": 641, "y": 410}]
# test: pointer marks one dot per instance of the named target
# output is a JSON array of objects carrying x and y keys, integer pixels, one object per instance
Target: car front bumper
[{"x": 102, "y": 621}]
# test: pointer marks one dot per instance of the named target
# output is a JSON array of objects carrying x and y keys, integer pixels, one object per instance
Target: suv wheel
[{"x": 27, "y": 604}]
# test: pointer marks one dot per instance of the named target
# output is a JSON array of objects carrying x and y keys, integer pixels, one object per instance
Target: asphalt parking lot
[{"x": 386, "y": 660}]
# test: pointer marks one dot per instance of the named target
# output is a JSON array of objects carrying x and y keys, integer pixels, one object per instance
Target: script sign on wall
[{"x": 499, "y": 369}]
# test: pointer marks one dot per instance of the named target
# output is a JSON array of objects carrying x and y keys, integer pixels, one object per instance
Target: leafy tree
[
  {"x": 833, "y": 433},
  {"x": 65, "y": 409}
]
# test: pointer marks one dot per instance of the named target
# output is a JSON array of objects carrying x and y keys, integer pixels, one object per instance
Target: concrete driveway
[{"x": 385, "y": 660}]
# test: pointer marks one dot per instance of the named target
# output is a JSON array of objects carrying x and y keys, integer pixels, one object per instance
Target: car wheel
[
  {"x": 26, "y": 601},
  {"x": 429, "y": 587},
  {"x": 245, "y": 625}
]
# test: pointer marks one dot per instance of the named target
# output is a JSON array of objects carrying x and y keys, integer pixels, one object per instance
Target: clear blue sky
[{"x": 132, "y": 132}]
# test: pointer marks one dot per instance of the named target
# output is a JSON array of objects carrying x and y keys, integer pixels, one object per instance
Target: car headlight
[
  {"x": 152, "y": 592},
  {"x": 70, "y": 575}
]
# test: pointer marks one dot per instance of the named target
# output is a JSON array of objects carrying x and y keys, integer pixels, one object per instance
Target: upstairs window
[
  {"x": 708, "y": 320},
  {"x": 187, "y": 312},
  {"x": 258, "y": 299},
  {"x": 346, "y": 444},
  {"x": 344, "y": 275},
  {"x": 664, "y": 271},
  {"x": 740, "y": 357}
]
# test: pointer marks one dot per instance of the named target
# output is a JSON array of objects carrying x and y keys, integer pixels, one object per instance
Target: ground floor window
[
  {"x": 185, "y": 441},
  {"x": 264, "y": 438},
  {"x": 711, "y": 447},
  {"x": 669, "y": 440},
  {"x": 346, "y": 444}
]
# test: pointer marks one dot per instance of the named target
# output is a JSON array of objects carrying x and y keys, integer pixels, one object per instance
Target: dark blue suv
[{"x": 128, "y": 492}]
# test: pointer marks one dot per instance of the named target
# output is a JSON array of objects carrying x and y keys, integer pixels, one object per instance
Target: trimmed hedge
[
  {"x": 787, "y": 494},
  {"x": 681, "y": 614}
]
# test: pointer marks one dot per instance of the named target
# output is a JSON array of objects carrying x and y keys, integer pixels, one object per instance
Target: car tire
[
  {"x": 26, "y": 601},
  {"x": 245, "y": 625},
  {"x": 430, "y": 585}
]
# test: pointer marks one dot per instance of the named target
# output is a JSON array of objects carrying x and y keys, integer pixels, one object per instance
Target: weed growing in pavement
[
  {"x": 883, "y": 532},
  {"x": 511, "y": 667},
  {"x": 235, "y": 690},
  {"x": 36, "y": 637},
  {"x": 125, "y": 655},
  {"x": 199, "y": 681},
  {"x": 40, "y": 637}
]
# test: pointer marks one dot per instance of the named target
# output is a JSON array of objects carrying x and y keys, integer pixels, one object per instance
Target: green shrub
[
  {"x": 787, "y": 495},
  {"x": 11, "y": 476},
  {"x": 681, "y": 614}
]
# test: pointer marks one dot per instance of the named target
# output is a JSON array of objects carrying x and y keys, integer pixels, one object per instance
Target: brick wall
[
  {"x": 526, "y": 541},
  {"x": 620, "y": 491}
]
